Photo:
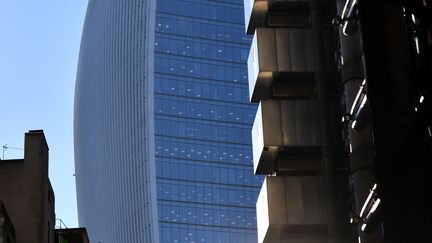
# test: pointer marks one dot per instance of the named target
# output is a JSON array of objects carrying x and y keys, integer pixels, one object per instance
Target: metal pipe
[
  {"x": 327, "y": 133},
  {"x": 385, "y": 53},
  {"x": 361, "y": 159}
]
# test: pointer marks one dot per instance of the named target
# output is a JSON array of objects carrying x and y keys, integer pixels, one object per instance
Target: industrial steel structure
[{"x": 343, "y": 128}]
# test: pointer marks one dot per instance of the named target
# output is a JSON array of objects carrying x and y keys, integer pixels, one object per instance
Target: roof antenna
[{"x": 6, "y": 147}]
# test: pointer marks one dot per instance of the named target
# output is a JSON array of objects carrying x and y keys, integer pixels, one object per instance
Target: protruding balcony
[
  {"x": 281, "y": 63},
  {"x": 272, "y": 13},
  {"x": 286, "y": 136},
  {"x": 292, "y": 209},
  {"x": 255, "y": 11}
]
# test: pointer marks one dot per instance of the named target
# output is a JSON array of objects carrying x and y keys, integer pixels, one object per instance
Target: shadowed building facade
[
  {"x": 26, "y": 196},
  {"x": 344, "y": 125},
  {"x": 162, "y": 123}
]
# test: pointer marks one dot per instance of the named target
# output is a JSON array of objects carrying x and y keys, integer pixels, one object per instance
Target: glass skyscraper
[{"x": 162, "y": 123}]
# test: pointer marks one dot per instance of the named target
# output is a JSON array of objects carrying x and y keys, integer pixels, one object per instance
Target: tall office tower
[{"x": 162, "y": 123}]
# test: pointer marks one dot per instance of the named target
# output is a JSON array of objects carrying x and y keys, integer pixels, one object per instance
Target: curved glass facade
[{"x": 196, "y": 96}]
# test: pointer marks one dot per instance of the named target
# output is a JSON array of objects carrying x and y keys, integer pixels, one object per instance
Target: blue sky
[{"x": 39, "y": 47}]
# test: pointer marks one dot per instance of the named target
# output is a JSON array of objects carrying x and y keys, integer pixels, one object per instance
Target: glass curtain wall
[{"x": 205, "y": 182}]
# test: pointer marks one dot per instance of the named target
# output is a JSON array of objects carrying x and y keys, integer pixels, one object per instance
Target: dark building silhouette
[
  {"x": 395, "y": 42},
  {"x": 26, "y": 192},
  {"x": 344, "y": 124},
  {"x": 7, "y": 230},
  {"x": 27, "y": 198}
]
